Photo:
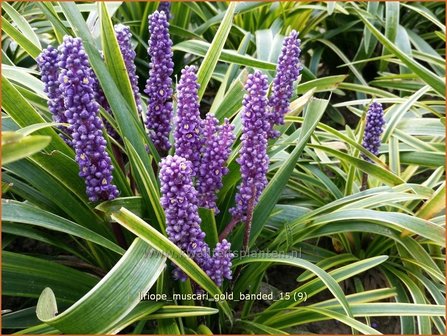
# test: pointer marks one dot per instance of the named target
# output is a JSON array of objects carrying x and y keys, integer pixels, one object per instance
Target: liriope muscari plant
[
  {"x": 193, "y": 176},
  {"x": 202, "y": 144}
]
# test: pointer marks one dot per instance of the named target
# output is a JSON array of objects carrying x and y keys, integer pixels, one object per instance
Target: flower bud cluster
[{"x": 82, "y": 113}]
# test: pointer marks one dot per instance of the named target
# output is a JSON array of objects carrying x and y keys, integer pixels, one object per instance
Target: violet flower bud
[
  {"x": 287, "y": 72},
  {"x": 165, "y": 6},
  {"x": 49, "y": 68},
  {"x": 81, "y": 111},
  {"x": 124, "y": 38},
  {"x": 159, "y": 83},
  {"x": 216, "y": 148},
  {"x": 188, "y": 123},
  {"x": 253, "y": 157},
  {"x": 373, "y": 129}
]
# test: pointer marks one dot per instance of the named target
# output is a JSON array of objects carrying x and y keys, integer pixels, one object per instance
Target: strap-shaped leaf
[
  {"x": 140, "y": 312},
  {"x": 113, "y": 57},
  {"x": 297, "y": 315},
  {"x": 394, "y": 220},
  {"x": 33, "y": 232},
  {"x": 212, "y": 56},
  {"x": 133, "y": 203},
  {"x": 146, "y": 232},
  {"x": 209, "y": 226},
  {"x": 24, "y": 114},
  {"x": 59, "y": 28},
  {"x": 22, "y": 24},
  {"x": 241, "y": 7},
  {"x": 16, "y": 320},
  {"x": 358, "y": 225},
  {"x": 434, "y": 205},
  {"x": 20, "y": 38},
  {"x": 328, "y": 280},
  {"x": 17, "y": 212},
  {"x": 353, "y": 323},
  {"x": 115, "y": 296},
  {"x": 317, "y": 285},
  {"x": 381, "y": 173},
  {"x": 58, "y": 193},
  {"x": 24, "y": 77},
  {"x": 147, "y": 184},
  {"x": 258, "y": 328},
  {"x": 181, "y": 311},
  {"x": 23, "y": 147},
  {"x": 230, "y": 78},
  {"x": 26, "y": 276},
  {"x": 398, "y": 112},
  {"x": 200, "y": 48}
]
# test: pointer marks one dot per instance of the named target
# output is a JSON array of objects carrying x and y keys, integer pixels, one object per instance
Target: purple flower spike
[
  {"x": 216, "y": 149},
  {"x": 179, "y": 200},
  {"x": 253, "y": 157},
  {"x": 159, "y": 83},
  {"x": 81, "y": 111},
  {"x": 287, "y": 73},
  {"x": 49, "y": 68},
  {"x": 220, "y": 265},
  {"x": 124, "y": 38},
  {"x": 188, "y": 123},
  {"x": 165, "y": 6},
  {"x": 373, "y": 129}
]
